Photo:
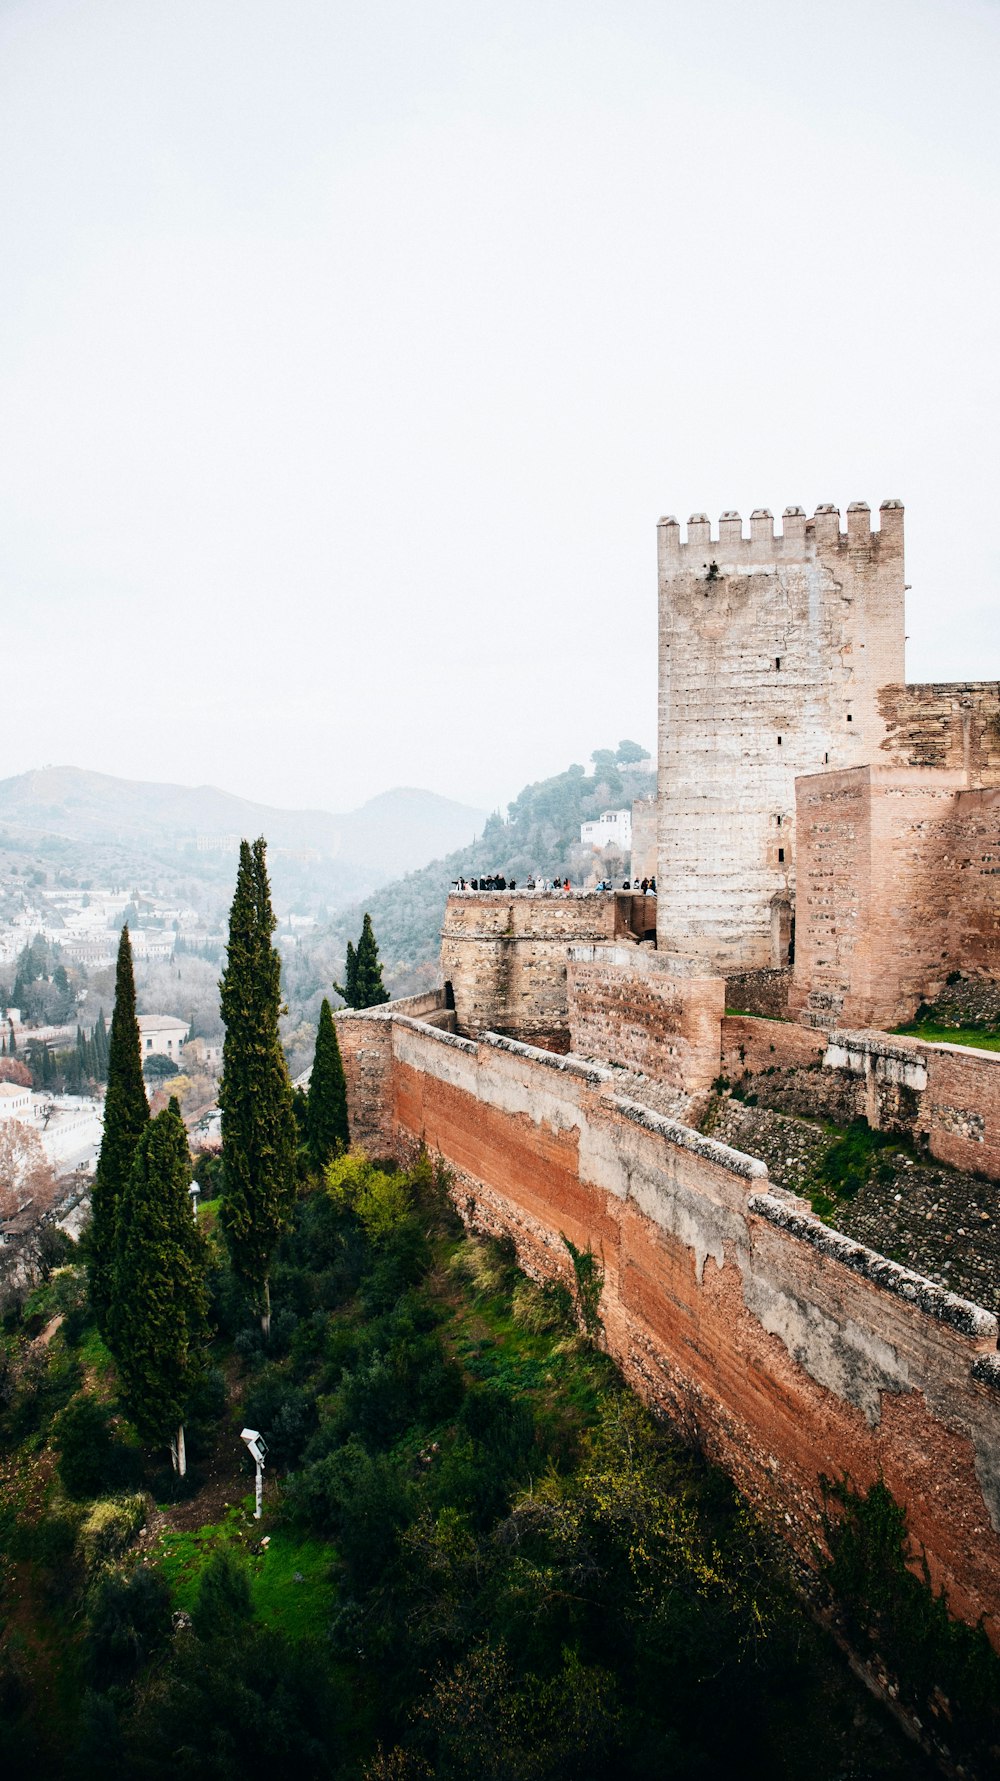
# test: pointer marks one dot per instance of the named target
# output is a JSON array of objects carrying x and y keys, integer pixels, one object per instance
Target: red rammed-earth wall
[{"x": 795, "y": 1351}]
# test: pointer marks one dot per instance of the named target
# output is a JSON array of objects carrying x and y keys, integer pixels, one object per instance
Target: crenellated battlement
[{"x": 800, "y": 540}]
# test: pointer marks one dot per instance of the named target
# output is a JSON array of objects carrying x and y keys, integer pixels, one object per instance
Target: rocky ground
[{"x": 941, "y": 1223}]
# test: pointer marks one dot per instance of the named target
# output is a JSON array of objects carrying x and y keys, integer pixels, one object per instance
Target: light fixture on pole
[
  {"x": 257, "y": 1448},
  {"x": 194, "y": 1190}
]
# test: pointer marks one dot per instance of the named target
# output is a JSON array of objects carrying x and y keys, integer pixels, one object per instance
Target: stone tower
[{"x": 772, "y": 651}]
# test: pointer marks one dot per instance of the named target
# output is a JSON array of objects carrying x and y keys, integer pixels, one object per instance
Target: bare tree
[{"x": 27, "y": 1178}]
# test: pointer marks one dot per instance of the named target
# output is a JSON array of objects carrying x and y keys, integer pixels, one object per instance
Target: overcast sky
[{"x": 349, "y": 352}]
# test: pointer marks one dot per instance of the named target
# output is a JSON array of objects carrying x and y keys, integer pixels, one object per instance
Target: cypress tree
[
  {"x": 12, "y": 1048},
  {"x": 350, "y": 985},
  {"x": 255, "y": 1095},
  {"x": 126, "y": 1112},
  {"x": 369, "y": 989},
  {"x": 326, "y": 1116},
  {"x": 159, "y": 1302},
  {"x": 101, "y": 1048}
]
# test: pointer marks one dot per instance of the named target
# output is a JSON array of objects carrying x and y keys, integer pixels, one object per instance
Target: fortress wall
[
  {"x": 504, "y": 954},
  {"x": 945, "y": 1096},
  {"x": 794, "y": 1351},
  {"x": 754, "y": 1045},
  {"x": 626, "y": 1004},
  {"x": 897, "y": 883},
  {"x": 949, "y": 725},
  {"x": 365, "y": 1040}
]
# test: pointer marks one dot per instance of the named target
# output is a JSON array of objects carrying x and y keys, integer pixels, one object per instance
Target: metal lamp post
[{"x": 257, "y": 1448}]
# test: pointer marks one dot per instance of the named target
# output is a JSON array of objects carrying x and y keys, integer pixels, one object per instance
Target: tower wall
[{"x": 773, "y": 649}]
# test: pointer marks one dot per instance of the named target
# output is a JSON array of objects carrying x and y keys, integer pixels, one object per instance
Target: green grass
[
  {"x": 292, "y": 1587},
  {"x": 974, "y": 1037},
  {"x": 290, "y": 1579}
]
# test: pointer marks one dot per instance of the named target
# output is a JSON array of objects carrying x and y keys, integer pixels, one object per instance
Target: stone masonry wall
[
  {"x": 955, "y": 726},
  {"x": 795, "y": 1351},
  {"x": 772, "y": 652},
  {"x": 897, "y": 885},
  {"x": 365, "y": 1040},
  {"x": 946, "y": 1096},
  {"x": 504, "y": 954},
  {"x": 627, "y": 1005}
]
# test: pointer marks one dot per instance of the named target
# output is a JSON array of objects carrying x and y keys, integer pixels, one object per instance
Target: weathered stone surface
[
  {"x": 897, "y": 882},
  {"x": 772, "y": 653},
  {"x": 954, "y": 726},
  {"x": 630, "y": 1005}
]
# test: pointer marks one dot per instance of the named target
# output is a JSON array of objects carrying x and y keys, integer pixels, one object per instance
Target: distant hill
[
  {"x": 541, "y": 835},
  {"x": 390, "y": 834}
]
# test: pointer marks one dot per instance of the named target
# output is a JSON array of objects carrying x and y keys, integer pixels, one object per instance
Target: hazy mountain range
[{"x": 390, "y": 834}]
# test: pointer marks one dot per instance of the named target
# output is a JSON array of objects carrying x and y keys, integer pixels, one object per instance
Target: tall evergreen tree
[
  {"x": 369, "y": 989},
  {"x": 350, "y": 984},
  {"x": 126, "y": 1112},
  {"x": 255, "y": 1095},
  {"x": 157, "y": 1320},
  {"x": 326, "y": 1116},
  {"x": 101, "y": 1048}
]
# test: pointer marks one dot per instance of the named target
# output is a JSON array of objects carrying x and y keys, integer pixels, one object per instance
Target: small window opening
[
  {"x": 781, "y": 856},
  {"x": 849, "y": 718},
  {"x": 779, "y": 741},
  {"x": 826, "y": 759},
  {"x": 777, "y": 661},
  {"x": 778, "y": 821}
]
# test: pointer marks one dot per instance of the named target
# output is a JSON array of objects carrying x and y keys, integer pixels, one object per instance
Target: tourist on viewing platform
[{"x": 627, "y": 884}]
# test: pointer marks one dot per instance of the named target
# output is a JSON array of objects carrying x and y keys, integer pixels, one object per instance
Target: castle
[{"x": 827, "y": 849}]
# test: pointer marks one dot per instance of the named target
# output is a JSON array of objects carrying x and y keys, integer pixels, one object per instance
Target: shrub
[
  {"x": 361, "y": 1499},
  {"x": 224, "y": 1603},
  {"x": 538, "y": 1309},
  {"x": 92, "y": 1459},
  {"x": 109, "y": 1529},
  {"x": 129, "y": 1619},
  {"x": 379, "y": 1200}
]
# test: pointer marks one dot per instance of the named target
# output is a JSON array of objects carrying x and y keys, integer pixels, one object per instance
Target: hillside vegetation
[
  {"x": 481, "y": 1559},
  {"x": 540, "y": 834}
]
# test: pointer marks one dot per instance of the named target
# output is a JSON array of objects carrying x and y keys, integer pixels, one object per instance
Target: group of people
[
  {"x": 495, "y": 881},
  {"x": 647, "y": 885}
]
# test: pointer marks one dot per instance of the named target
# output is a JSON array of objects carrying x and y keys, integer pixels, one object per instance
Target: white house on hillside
[{"x": 613, "y": 828}]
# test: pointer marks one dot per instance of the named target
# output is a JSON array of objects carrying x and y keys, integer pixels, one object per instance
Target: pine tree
[
  {"x": 369, "y": 989},
  {"x": 255, "y": 1095},
  {"x": 126, "y": 1112},
  {"x": 326, "y": 1118},
  {"x": 350, "y": 985},
  {"x": 157, "y": 1321}
]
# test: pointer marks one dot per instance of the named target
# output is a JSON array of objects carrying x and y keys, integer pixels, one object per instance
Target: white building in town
[
  {"x": 613, "y": 828},
  {"x": 162, "y": 1035}
]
